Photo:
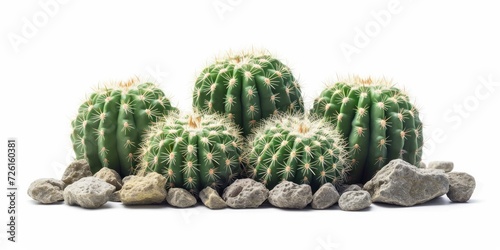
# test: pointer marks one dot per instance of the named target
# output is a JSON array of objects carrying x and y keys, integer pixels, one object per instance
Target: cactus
[
  {"x": 246, "y": 88},
  {"x": 298, "y": 149},
  {"x": 110, "y": 123},
  {"x": 378, "y": 121},
  {"x": 193, "y": 152}
]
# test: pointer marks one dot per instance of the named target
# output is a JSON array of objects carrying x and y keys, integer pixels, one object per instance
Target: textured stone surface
[
  {"x": 179, "y": 197},
  {"x": 75, "y": 171},
  {"x": 245, "y": 193},
  {"x": 447, "y": 166},
  {"x": 352, "y": 187},
  {"x": 46, "y": 190},
  {"x": 290, "y": 195},
  {"x": 88, "y": 192},
  {"x": 355, "y": 200},
  {"x": 462, "y": 186},
  {"x": 212, "y": 199},
  {"x": 325, "y": 197},
  {"x": 401, "y": 183},
  {"x": 110, "y": 176},
  {"x": 143, "y": 190},
  {"x": 115, "y": 197}
]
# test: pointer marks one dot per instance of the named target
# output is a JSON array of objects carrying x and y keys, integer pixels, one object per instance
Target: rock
[
  {"x": 245, "y": 193},
  {"x": 46, "y": 190},
  {"x": 75, "y": 171},
  {"x": 179, "y": 197},
  {"x": 403, "y": 184},
  {"x": 462, "y": 186},
  {"x": 110, "y": 176},
  {"x": 422, "y": 165},
  {"x": 115, "y": 197},
  {"x": 352, "y": 187},
  {"x": 325, "y": 197},
  {"x": 143, "y": 190},
  {"x": 355, "y": 200},
  {"x": 212, "y": 199},
  {"x": 88, "y": 192},
  {"x": 447, "y": 166},
  {"x": 290, "y": 195}
]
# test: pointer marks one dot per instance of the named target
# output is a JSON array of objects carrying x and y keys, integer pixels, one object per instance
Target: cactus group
[
  {"x": 108, "y": 128},
  {"x": 298, "y": 149},
  {"x": 193, "y": 151},
  {"x": 376, "y": 119},
  {"x": 247, "y": 87}
]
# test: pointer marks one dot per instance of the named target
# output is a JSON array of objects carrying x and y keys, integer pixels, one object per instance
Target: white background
[{"x": 442, "y": 52}]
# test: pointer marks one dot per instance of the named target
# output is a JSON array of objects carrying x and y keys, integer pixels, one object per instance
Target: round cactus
[
  {"x": 378, "y": 121},
  {"x": 193, "y": 152},
  {"x": 110, "y": 123},
  {"x": 246, "y": 88},
  {"x": 298, "y": 149}
]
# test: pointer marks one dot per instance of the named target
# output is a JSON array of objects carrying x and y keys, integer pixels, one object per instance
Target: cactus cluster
[
  {"x": 193, "y": 151},
  {"x": 376, "y": 119},
  {"x": 298, "y": 149},
  {"x": 247, "y": 87},
  {"x": 108, "y": 128}
]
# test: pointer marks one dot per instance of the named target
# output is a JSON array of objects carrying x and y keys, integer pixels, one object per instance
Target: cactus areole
[
  {"x": 376, "y": 119},
  {"x": 110, "y": 123},
  {"x": 246, "y": 88}
]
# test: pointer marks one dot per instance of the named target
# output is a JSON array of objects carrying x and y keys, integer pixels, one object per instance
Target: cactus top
[{"x": 246, "y": 88}]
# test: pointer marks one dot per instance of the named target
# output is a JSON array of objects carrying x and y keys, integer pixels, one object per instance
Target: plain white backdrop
[{"x": 446, "y": 54}]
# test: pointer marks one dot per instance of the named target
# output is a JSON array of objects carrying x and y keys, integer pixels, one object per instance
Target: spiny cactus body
[
  {"x": 110, "y": 123},
  {"x": 246, "y": 88},
  {"x": 193, "y": 151},
  {"x": 378, "y": 121},
  {"x": 298, "y": 149}
]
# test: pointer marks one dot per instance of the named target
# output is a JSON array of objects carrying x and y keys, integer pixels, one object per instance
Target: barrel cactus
[
  {"x": 247, "y": 87},
  {"x": 108, "y": 128},
  {"x": 193, "y": 151},
  {"x": 376, "y": 119},
  {"x": 299, "y": 149}
]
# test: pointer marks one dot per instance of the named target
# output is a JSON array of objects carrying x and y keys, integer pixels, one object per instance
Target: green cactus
[
  {"x": 378, "y": 121},
  {"x": 298, "y": 149},
  {"x": 193, "y": 152},
  {"x": 246, "y": 88},
  {"x": 110, "y": 123}
]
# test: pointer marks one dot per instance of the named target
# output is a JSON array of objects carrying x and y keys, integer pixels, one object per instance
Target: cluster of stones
[{"x": 398, "y": 183}]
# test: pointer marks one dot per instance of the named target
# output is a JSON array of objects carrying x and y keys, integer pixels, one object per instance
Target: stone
[
  {"x": 355, "y": 200},
  {"x": 143, "y": 190},
  {"x": 447, "y": 166},
  {"x": 290, "y": 195},
  {"x": 75, "y": 171},
  {"x": 46, "y": 190},
  {"x": 462, "y": 186},
  {"x": 403, "y": 184},
  {"x": 352, "y": 187},
  {"x": 180, "y": 197},
  {"x": 212, "y": 199},
  {"x": 325, "y": 197},
  {"x": 422, "y": 165},
  {"x": 115, "y": 196},
  {"x": 88, "y": 192},
  {"x": 245, "y": 193},
  {"x": 110, "y": 176}
]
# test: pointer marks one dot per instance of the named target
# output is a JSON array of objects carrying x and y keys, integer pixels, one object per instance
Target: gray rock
[
  {"x": 110, "y": 176},
  {"x": 325, "y": 197},
  {"x": 179, "y": 197},
  {"x": 290, "y": 195},
  {"x": 403, "y": 184},
  {"x": 115, "y": 196},
  {"x": 462, "y": 186},
  {"x": 355, "y": 200},
  {"x": 88, "y": 192},
  {"x": 245, "y": 193},
  {"x": 352, "y": 187},
  {"x": 75, "y": 171},
  {"x": 143, "y": 190},
  {"x": 422, "y": 165},
  {"x": 212, "y": 199},
  {"x": 46, "y": 190},
  {"x": 447, "y": 166}
]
